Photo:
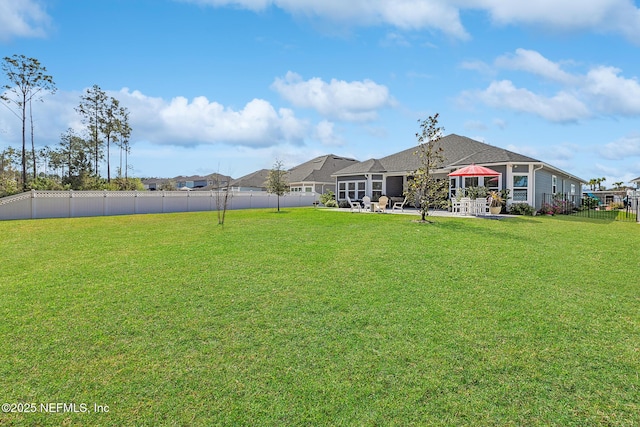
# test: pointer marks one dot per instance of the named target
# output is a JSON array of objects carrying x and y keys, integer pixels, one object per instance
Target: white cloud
[
  {"x": 349, "y": 101},
  {"x": 601, "y": 91},
  {"x": 200, "y": 121},
  {"x": 614, "y": 16},
  {"x": 533, "y": 62},
  {"x": 628, "y": 146},
  {"x": 562, "y": 107},
  {"x": 611, "y": 92},
  {"x": 24, "y": 18},
  {"x": 325, "y": 133},
  {"x": 403, "y": 14}
]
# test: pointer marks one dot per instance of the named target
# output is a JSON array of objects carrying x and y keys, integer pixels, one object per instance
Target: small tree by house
[
  {"x": 277, "y": 181},
  {"x": 423, "y": 187}
]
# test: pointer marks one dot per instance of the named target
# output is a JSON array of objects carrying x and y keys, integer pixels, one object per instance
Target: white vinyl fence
[{"x": 68, "y": 204}]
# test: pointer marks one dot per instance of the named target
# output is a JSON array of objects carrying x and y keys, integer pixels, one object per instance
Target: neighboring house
[
  {"x": 210, "y": 182},
  {"x": 215, "y": 181},
  {"x": 636, "y": 182},
  {"x": 529, "y": 180},
  {"x": 155, "y": 184},
  {"x": 255, "y": 181},
  {"x": 191, "y": 182},
  {"x": 316, "y": 174}
]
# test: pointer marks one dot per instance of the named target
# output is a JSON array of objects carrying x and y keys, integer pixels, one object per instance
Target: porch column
[{"x": 509, "y": 183}]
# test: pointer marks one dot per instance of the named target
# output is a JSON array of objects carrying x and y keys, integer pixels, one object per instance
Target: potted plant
[{"x": 495, "y": 203}]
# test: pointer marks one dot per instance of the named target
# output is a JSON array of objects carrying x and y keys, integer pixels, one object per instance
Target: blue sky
[{"x": 233, "y": 85}]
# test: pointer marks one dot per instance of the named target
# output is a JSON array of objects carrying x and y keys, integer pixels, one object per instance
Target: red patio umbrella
[{"x": 474, "y": 170}]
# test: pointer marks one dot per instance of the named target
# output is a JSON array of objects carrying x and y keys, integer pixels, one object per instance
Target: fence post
[
  {"x": 33, "y": 204},
  {"x": 71, "y": 210}
]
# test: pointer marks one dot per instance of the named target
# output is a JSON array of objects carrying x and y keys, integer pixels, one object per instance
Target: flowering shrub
[{"x": 556, "y": 208}]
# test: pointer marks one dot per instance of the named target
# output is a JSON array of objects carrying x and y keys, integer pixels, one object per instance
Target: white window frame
[
  {"x": 518, "y": 189},
  {"x": 359, "y": 189}
]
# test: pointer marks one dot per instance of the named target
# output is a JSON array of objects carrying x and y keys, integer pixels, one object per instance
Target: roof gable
[{"x": 319, "y": 169}]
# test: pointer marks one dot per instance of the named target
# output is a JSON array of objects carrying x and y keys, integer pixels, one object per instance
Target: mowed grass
[{"x": 311, "y": 317}]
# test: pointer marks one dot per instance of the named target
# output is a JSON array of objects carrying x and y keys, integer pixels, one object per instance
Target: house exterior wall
[
  {"x": 322, "y": 188},
  {"x": 542, "y": 186},
  {"x": 544, "y": 179}
]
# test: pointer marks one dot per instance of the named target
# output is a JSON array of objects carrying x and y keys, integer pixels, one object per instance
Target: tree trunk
[
  {"x": 33, "y": 146},
  {"x": 108, "y": 161},
  {"x": 24, "y": 147}
]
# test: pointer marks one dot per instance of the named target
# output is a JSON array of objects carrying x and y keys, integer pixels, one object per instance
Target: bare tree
[{"x": 223, "y": 196}]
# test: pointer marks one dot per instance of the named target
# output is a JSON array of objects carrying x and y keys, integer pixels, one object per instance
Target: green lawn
[{"x": 311, "y": 317}]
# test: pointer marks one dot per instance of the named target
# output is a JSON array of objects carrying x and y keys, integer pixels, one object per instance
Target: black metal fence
[{"x": 625, "y": 209}]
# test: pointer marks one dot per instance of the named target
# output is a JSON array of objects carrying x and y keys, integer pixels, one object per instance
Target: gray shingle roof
[
  {"x": 255, "y": 179},
  {"x": 319, "y": 169},
  {"x": 458, "y": 151}
]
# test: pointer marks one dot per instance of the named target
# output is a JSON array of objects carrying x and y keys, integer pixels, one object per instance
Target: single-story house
[
  {"x": 316, "y": 174},
  {"x": 529, "y": 180},
  {"x": 636, "y": 182}
]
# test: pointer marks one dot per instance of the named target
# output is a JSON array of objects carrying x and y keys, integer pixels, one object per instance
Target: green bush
[
  {"x": 331, "y": 203},
  {"x": 328, "y": 196},
  {"x": 42, "y": 183},
  {"x": 521, "y": 209}
]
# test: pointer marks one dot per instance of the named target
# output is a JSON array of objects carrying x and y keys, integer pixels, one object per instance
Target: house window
[
  {"x": 491, "y": 182},
  {"x": 573, "y": 189},
  {"x": 342, "y": 190},
  {"x": 376, "y": 190},
  {"x": 554, "y": 184},
  {"x": 355, "y": 190},
  {"x": 520, "y": 188},
  {"x": 470, "y": 181}
]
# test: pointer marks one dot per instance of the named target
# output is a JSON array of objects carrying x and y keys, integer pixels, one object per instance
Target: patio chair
[
  {"x": 465, "y": 206},
  {"x": 354, "y": 205},
  {"x": 381, "y": 205},
  {"x": 399, "y": 205},
  {"x": 481, "y": 206},
  {"x": 366, "y": 203},
  {"x": 456, "y": 206}
]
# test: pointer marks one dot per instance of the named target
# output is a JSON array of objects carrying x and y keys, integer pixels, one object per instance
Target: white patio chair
[
  {"x": 366, "y": 203},
  {"x": 481, "y": 206},
  {"x": 465, "y": 206},
  {"x": 456, "y": 206},
  {"x": 354, "y": 205},
  {"x": 381, "y": 205},
  {"x": 399, "y": 205}
]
